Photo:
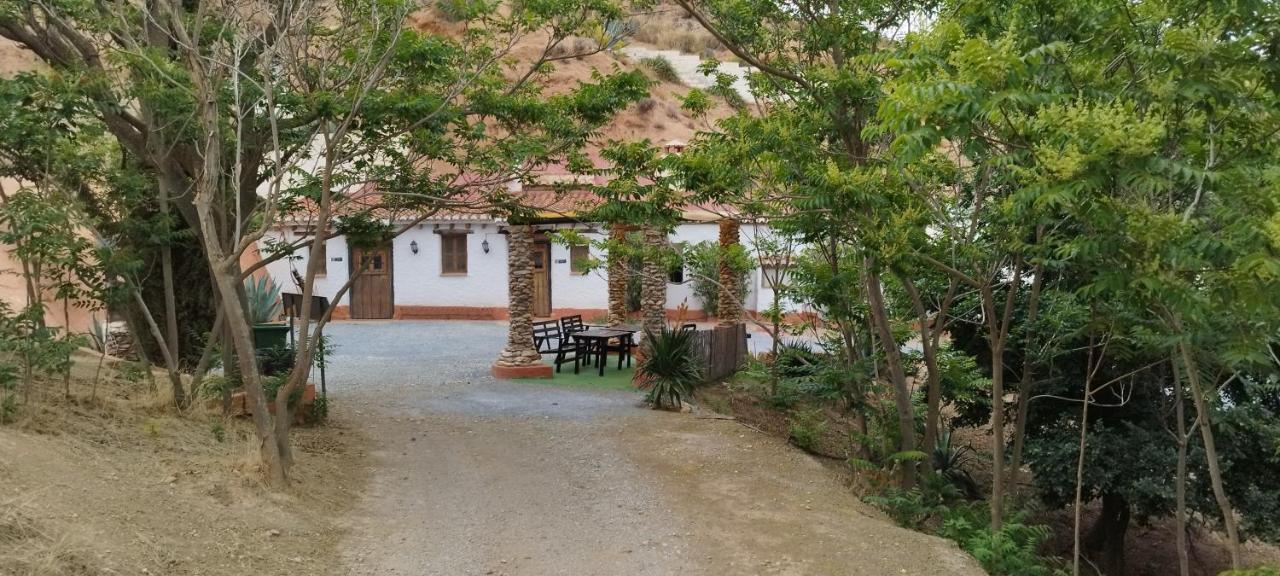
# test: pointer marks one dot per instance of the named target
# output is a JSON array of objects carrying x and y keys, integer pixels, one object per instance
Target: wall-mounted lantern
[
  {"x": 413, "y": 246},
  {"x": 484, "y": 245}
]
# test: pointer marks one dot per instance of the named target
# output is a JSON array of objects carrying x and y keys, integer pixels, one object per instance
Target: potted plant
[{"x": 264, "y": 313}]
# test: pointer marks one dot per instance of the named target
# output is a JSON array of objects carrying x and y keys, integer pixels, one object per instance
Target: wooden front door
[
  {"x": 541, "y": 278},
  {"x": 371, "y": 292}
]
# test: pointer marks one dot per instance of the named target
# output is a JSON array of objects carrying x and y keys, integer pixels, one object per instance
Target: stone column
[
  {"x": 520, "y": 358},
  {"x": 729, "y": 310},
  {"x": 617, "y": 277},
  {"x": 653, "y": 286}
]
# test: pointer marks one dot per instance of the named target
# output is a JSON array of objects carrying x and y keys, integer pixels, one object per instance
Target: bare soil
[{"x": 120, "y": 485}]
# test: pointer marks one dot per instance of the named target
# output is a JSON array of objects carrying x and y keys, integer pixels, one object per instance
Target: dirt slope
[{"x": 122, "y": 486}]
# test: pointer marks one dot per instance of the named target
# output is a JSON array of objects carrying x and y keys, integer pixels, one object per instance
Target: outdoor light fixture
[
  {"x": 413, "y": 246},
  {"x": 484, "y": 245}
]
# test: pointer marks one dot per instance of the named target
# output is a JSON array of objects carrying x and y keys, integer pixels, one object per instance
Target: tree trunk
[
  {"x": 893, "y": 362},
  {"x": 653, "y": 288},
  {"x": 1211, "y": 453},
  {"x": 1180, "y": 477},
  {"x": 617, "y": 277},
  {"x": 729, "y": 309},
  {"x": 1108, "y": 534},
  {"x": 520, "y": 350},
  {"x": 1025, "y": 380},
  {"x": 933, "y": 393}
]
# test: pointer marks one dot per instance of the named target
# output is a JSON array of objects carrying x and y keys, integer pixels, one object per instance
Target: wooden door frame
[
  {"x": 391, "y": 284},
  {"x": 541, "y": 242}
]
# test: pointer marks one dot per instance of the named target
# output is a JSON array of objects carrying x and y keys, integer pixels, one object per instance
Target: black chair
[
  {"x": 549, "y": 339},
  {"x": 571, "y": 324}
]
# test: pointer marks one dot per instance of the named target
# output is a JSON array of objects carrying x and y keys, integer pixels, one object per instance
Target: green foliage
[
  {"x": 729, "y": 94},
  {"x": 8, "y": 385},
  {"x": 276, "y": 361},
  {"x": 262, "y": 299},
  {"x": 952, "y": 463},
  {"x": 806, "y": 427},
  {"x": 131, "y": 371},
  {"x": 271, "y": 386},
  {"x": 319, "y": 410},
  {"x": 218, "y": 430},
  {"x": 1259, "y": 571},
  {"x": 670, "y": 367},
  {"x": 1011, "y": 551},
  {"x": 662, "y": 69},
  {"x": 702, "y": 261}
]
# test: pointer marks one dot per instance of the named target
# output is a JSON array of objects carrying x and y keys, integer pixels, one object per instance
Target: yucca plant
[
  {"x": 263, "y": 299},
  {"x": 669, "y": 367}
]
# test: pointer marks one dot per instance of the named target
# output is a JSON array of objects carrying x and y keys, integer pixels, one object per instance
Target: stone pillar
[
  {"x": 729, "y": 310},
  {"x": 653, "y": 287},
  {"x": 617, "y": 277},
  {"x": 520, "y": 358}
]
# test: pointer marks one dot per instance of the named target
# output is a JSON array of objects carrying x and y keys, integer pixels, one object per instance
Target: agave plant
[
  {"x": 670, "y": 366},
  {"x": 951, "y": 463},
  {"x": 263, "y": 299}
]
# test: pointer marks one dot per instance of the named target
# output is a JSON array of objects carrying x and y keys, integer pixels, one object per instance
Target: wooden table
[{"x": 597, "y": 340}]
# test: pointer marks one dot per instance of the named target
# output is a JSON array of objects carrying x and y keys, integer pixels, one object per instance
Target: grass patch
[{"x": 589, "y": 377}]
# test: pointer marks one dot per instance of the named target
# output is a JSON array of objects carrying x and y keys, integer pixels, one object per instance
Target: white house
[{"x": 454, "y": 266}]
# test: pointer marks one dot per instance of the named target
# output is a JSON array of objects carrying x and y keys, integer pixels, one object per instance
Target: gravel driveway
[{"x": 478, "y": 476}]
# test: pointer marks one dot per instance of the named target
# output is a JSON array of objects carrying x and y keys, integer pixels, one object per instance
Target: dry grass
[
  {"x": 668, "y": 27},
  {"x": 123, "y": 484}
]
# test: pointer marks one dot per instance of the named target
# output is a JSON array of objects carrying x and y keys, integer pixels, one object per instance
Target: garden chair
[
  {"x": 571, "y": 324},
  {"x": 549, "y": 339}
]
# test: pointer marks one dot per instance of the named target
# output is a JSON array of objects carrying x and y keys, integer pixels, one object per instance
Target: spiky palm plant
[
  {"x": 669, "y": 367},
  {"x": 263, "y": 299}
]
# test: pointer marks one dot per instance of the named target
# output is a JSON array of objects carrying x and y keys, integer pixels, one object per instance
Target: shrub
[
  {"x": 950, "y": 463},
  {"x": 662, "y": 69},
  {"x": 218, "y": 430},
  {"x": 1012, "y": 551},
  {"x": 729, "y": 94},
  {"x": 703, "y": 261},
  {"x": 319, "y": 410},
  {"x": 670, "y": 367},
  {"x": 275, "y": 361},
  {"x": 645, "y": 105},
  {"x": 1259, "y": 571},
  {"x": 805, "y": 429},
  {"x": 797, "y": 360}
]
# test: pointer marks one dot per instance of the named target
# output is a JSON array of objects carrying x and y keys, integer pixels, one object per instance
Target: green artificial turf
[{"x": 588, "y": 377}]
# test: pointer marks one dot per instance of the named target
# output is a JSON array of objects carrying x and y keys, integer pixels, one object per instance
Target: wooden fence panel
[{"x": 722, "y": 349}]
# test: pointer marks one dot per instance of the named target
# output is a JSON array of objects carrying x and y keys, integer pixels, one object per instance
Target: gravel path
[{"x": 477, "y": 476}]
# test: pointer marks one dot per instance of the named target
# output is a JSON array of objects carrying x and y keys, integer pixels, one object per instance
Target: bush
[
  {"x": 670, "y": 367},
  {"x": 662, "y": 69},
  {"x": 1014, "y": 550},
  {"x": 805, "y": 429},
  {"x": 276, "y": 361},
  {"x": 703, "y": 261},
  {"x": 797, "y": 360},
  {"x": 319, "y": 410},
  {"x": 729, "y": 94}
]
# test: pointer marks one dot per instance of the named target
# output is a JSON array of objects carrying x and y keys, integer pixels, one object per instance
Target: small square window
[
  {"x": 453, "y": 253},
  {"x": 579, "y": 259},
  {"x": 676, "y": 275}
]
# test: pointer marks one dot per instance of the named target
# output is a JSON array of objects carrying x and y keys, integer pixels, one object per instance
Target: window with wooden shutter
[
  {"x": 453, "y": 253},
  {"x": 324, "y": 258},
  {"x": 579, "y": 259}
]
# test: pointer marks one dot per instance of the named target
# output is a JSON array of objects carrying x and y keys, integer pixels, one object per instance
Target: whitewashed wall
[
  {"x": 419, "y": 282},
  {"x": 418, "y": 277},
  {"x": 569, "y": 290},
  {"x": 328, "y": 285}
]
